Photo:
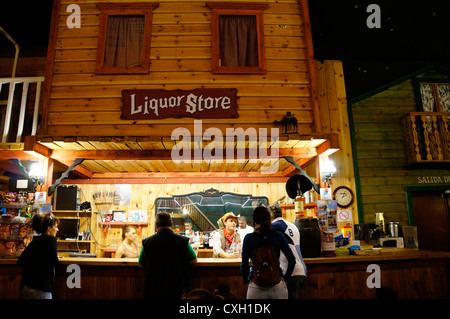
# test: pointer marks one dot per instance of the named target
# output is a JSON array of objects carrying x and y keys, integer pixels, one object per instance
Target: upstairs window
[
  {"x": 434, "y": 96},
  {"x": 124, "y": 38},
  {"x": 238, "y": 37}
]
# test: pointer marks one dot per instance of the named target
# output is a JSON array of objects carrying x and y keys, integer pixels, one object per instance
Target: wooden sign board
[{"x": 159, "y": 104}]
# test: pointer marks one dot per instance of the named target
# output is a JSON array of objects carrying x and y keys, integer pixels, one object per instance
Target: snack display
[
  {"x": 4, "y": 231},
  {"x": 14, "y": 222},
  {"x": 9, "y": 197},
  {"x": 23, "y": 232},
  {"x": 2, "y": 248},
  {"x": 14, "y": 231}
]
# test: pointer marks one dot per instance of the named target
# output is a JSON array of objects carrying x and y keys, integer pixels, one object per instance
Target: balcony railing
[
  {"x": 427, "y": 136},
  {"x": 19, "y": 107}
]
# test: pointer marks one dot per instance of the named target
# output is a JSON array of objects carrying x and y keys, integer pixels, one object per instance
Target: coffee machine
[
  {"x": 379, "y": 221},
  {"x": 378, "y": 230},
  {"x": 387, "y": 233}
]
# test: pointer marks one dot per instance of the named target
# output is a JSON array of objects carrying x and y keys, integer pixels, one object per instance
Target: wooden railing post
[
  {"x": 431, "y": 138},
  {"x": 445, "y": 134},
  {"x": 415, "y": 138},
  {"x": 21, "y": 109},
  {"x": 436, "y": 136},
  {"x": 425, "y": 135}
]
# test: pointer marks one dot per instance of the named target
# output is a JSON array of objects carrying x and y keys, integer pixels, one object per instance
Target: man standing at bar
[
  {"x": 292, "y": 235},
  {"x": 166, "y": 257}
]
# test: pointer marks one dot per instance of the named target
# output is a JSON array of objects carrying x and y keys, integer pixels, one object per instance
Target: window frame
[
  {"x": 125, "y": 9},
  {"x": 233, "y": 8},
  {"x": 433, "y": 81}
]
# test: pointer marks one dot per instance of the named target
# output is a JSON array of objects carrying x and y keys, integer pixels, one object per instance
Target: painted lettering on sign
[
  {"x": 198, "y": 103},
  {"x": 433, "y": 179}
]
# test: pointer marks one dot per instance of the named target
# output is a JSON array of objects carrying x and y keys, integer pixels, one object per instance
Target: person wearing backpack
[
  {"x": 262, "y": 248},
  {"x": 292, "y": 235}
]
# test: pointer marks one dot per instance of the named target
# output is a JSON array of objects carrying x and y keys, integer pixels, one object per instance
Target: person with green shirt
[{"x": 166, "y": 257}]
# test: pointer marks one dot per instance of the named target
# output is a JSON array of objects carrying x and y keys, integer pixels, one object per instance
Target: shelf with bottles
[
  {"x": 310, "y": 211},
  {"x": 292, "y": 206},
  {"x": 138, "y": 218}
]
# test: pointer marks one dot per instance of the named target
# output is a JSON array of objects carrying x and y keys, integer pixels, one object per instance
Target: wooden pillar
[{"x": 47, "y": 165}]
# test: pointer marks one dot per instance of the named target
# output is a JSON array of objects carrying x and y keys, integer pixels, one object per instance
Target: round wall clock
[{"x": 343, "y": 196}]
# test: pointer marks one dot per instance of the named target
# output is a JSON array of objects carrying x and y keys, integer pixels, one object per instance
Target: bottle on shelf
[
  {"x": 206, "y": 241},
  {"x": 201, "y": 240},
  {"x": 300, "y": 211}
]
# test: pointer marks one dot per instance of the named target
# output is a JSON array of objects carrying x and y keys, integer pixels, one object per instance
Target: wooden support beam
[
  {"x": 8, "y": 166},
  {"x": 32, "y": 147},
  {"x": 15, "y": 154},
  {"x": 167, "y": 154},
  {"x": 330, "y": 146},
  {"x": 180, "y": 178}
]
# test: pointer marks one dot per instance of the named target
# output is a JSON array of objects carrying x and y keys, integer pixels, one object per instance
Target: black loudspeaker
[{"x": 66, "y": 198}]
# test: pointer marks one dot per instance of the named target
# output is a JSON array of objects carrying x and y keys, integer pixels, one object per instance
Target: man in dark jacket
[{"x": 166, "y": 257}]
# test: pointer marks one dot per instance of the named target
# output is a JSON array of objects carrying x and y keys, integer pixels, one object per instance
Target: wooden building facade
[
  {"x": 402, "y": 153},
  {"x": 82, "y": 103}
]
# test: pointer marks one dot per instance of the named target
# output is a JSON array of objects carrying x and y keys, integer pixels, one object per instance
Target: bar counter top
[{"x": 384, "y": 254}]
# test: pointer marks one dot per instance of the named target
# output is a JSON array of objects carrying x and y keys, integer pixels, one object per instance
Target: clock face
[{"x": 343, "y": 196}]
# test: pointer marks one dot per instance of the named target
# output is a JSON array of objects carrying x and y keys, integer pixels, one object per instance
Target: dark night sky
[{"x": 413, "y": 34}]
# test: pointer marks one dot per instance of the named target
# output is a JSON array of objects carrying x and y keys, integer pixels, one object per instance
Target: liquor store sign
[{"x": 204, "y": 103}]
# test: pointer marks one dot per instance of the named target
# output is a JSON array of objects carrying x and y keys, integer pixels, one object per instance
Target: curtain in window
[
  {"x": 238, "y": 41},
  {"x": 124, "y": 41}
]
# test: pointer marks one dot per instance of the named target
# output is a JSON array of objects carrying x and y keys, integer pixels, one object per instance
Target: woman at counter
[
  {"x": 225, "y": 237},
  {"x": 40, "y": 258},
  {"x": 129, "y": 247}
]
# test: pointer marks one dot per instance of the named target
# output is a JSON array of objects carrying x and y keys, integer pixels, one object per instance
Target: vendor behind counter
[{"x": 226, "y": 240}]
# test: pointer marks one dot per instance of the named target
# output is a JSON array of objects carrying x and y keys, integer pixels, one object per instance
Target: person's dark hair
[
  {"x": 163, "y": 219},
  {"x": 243, "y": 218},
  {"x": 275, "y": 211},
  {"x": 261, "y": 218},
  {"x": 126, "y": 229},
  {"x": 224, "y": 292},
  {"x": 198, "y": 293},
  {"x": 40, "y": 223}
]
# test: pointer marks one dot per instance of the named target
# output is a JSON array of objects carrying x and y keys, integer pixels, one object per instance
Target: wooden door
[{"x": 431, "y": 216}]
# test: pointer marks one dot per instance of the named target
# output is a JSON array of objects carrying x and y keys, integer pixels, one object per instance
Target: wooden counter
[{"x": 410, "y": 273}]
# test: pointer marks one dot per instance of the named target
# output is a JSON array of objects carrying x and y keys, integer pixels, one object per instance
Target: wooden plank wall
[
  {"x": 26, "y": 66},
  {"x": 334, "y": 119},
  {"x": 381, "y": 153},
  {"x": 83, "y": 103},
  {"x": 144, "y": 195}
]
